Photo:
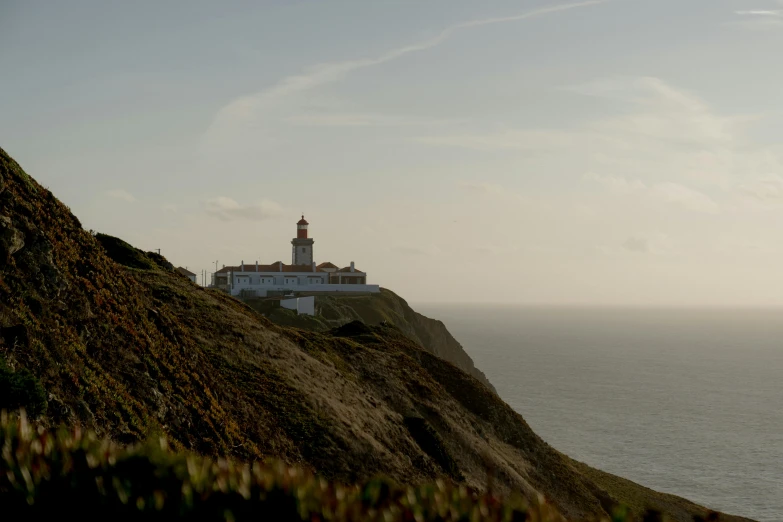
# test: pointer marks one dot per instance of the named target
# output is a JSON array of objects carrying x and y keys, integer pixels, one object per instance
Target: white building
[
  {"x": 302, "y": 276},
  {"x": 301, "y": 305}
]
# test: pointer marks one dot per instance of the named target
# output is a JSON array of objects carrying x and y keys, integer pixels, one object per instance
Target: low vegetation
[
  {"x": 99, "y": 335},
  {"x": 21, "y": 389},
  {"x": 50, "y": 473},
  {"x": 376, "y": 309},
  {"x": 47, "y": 473}
]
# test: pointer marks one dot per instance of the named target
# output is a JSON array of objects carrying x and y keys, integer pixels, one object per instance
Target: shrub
[
  {"x": 47, "y": 475},
  {"x": 123, "y": 253},
  {"x": 20, "y": 389}
]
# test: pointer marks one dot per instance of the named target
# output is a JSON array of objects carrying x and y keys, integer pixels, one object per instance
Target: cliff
[
  {"x": 376, "y": 309},
  {"x": 96, "y": 333}
]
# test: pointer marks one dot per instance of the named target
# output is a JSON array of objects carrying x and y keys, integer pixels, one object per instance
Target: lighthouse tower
[{"x": 302, "y": 246}]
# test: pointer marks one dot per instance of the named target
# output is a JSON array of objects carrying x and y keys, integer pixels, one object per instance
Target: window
[{"x": 303, "y": 250}]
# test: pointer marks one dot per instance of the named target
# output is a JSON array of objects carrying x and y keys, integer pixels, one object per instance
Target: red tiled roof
[
  {"x": 185, "y": 271},
  {"x": 274, "y": 267},
  {"x": 296, "y": 268},
  {"x": 348, "y": 269}
]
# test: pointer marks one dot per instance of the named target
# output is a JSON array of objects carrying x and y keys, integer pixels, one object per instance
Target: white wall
[
  {"x": 302, "y": 305},
  {"x": 290, "y": 304},
  {"x": 261, "y": 290},
  {"x": 306, "y": 305},
  {"x": 261, "y": 282},
  {"x": 277, "y": 278}
]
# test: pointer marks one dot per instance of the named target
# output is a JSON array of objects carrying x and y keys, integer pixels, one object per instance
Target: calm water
[{"x": 688, "y": 402}]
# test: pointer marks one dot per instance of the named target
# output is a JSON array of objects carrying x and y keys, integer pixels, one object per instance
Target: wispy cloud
[
  {"x": 359, "y": 119},
  {"x": 636, "y": 244},
  {"x": 244, "y": 110},
  {"x": 767, "y": 189},
  {"x": 684, "y": 197},
  {"x": 617, "y": 184},
  {"x": 494, "y": 191},
  {"x": 121, "y": 194},
  {"x": 663, "y": 112},
  {"x": 657, "y": 244},
  {"x": 530, "y": 141},
  {"x": 761, "y": 18},
  {"x": 495, "y": 250},
  {"x": 481, "y": 187},
  {"x": 663, "y": 143},
  {"x": 662, "y": 115},
  {"x": 228, "y": 209},
  {"x": 410, "y": 250},
  {"x": 668, "y": 192},
  {"x": 761, "y": 12}
]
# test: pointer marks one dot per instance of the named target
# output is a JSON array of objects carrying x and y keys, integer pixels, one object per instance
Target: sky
[{"x": 620, "y": 152}]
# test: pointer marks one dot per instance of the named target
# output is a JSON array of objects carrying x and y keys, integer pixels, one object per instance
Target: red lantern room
[{"x": 301, "y": 228}]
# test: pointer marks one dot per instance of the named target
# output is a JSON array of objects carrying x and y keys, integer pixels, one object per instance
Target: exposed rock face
[
  {"x": 11, "y": 240},
  {"x": 132, "y": 352}
]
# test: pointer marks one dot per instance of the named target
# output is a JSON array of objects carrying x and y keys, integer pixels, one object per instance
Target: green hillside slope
[
  {"x": 386, "y": 307},
  {"x": 121, "y": 344}
]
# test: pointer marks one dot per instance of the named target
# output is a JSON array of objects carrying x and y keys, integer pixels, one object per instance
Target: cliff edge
[
  {"x": 96, "y": 333},
  {"x": 374, "y": 310}
]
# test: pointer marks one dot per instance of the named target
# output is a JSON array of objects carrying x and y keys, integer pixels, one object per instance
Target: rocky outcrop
[{"x": 11, "y": 240}]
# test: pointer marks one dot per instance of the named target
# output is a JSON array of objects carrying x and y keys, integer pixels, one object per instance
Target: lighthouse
[{"x": 302, "y": 246}]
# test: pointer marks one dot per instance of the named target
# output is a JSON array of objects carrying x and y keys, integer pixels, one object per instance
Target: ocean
[{"x": 683, "y": 401}]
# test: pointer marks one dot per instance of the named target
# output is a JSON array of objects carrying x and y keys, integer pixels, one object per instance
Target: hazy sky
[{"x": 619, "y": 152}]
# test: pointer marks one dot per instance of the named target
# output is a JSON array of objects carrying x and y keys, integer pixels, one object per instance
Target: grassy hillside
[
  {"x": 375, "y": 309},
  {"x": 76, "y": 472},
  {"x": 97, "y": 334}
]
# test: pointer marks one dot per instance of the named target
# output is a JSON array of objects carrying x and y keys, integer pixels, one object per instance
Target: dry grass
[{"x": 134, "y": 352}]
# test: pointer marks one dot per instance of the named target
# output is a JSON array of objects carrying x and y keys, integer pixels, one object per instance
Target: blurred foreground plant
[{"x": 73, "y": 472}]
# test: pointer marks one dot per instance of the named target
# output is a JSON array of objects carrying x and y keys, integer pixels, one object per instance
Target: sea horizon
[
  {"x": 681, "y": 400},
  {"x": 615, "y": 306}
]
